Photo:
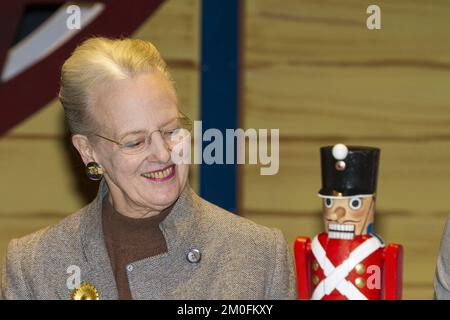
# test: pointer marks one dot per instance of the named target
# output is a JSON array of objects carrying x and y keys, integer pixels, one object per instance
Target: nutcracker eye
[
  {"x": 328, "y": 202},
  {"x": 355, "y": 203}
]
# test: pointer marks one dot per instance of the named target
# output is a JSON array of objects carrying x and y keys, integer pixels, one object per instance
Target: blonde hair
[{"x": 98, "y": 60}]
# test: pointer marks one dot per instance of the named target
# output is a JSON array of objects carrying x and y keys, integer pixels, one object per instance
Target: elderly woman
[{"x": 146, "y": 235}]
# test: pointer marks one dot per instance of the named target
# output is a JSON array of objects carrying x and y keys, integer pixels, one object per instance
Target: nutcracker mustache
[{"x": 341, "y": 231}]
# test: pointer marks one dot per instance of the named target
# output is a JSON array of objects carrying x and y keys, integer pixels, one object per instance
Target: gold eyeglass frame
[{"x": 149, "y": 135}]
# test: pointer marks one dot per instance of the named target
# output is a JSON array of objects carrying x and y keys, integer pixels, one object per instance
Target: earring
[{"x": 94, "y": 171}]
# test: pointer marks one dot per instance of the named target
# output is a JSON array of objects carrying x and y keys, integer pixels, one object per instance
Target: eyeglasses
[{"x": 136, "y": 142}]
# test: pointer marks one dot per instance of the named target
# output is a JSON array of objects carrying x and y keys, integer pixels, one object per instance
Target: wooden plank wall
[
  {"x": 313, "y": 70},
  {"x": 41, "y": 180}
]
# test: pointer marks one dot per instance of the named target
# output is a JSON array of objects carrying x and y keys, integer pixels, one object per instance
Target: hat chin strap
[
  {"x": 367, "y": 217},
  {"x": 372, "y": 204}
]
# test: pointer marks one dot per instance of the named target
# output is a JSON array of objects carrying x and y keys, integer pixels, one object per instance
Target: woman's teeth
[{"x": 159, "y": 174}]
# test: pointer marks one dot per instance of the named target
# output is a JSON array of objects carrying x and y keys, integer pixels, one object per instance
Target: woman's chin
[
  {"x": 162, "y": 192},
  {"x": 163, "y": 195}
]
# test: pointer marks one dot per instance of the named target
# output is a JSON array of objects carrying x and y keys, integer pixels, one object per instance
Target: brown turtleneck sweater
[{"x": 128, "y": 240}]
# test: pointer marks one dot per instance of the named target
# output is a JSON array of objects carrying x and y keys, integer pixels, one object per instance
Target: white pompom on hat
[{"x": 340, "y": 151}]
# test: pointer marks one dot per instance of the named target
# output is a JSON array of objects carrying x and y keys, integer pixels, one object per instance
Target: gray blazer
[
  {"x": 236, "y": 258},
  {"x": 442, "y": 277}
]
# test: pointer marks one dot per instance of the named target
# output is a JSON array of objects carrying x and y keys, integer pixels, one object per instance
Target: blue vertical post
[{"x": 220, "y": 93}]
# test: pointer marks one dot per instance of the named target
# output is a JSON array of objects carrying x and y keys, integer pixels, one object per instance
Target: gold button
[
  {"x": 315, "y": 279},
  {"x": 360, "y": 268},
  {"x": 360, "y": 282},
  {"x": 315, "y": 265},
  {"x": 337, "y": 193}
]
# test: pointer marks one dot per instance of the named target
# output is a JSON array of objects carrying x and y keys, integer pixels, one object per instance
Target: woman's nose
[{"x": 159, "y": 150}]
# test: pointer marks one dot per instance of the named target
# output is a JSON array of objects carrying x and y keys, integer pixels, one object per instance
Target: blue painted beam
[{"x": 219, "y": 93}]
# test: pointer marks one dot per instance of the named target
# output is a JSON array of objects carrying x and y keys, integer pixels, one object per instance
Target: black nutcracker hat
[{"x": 349, "y": 171}]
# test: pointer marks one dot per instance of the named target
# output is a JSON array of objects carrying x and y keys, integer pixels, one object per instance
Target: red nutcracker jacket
[{"x": 357, "y": 269}]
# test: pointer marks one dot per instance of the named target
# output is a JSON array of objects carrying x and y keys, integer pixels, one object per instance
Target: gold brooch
[{"x": 85, "y": 291}]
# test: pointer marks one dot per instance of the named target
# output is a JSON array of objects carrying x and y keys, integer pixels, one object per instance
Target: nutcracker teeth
[{"x": 341, "y": 231}]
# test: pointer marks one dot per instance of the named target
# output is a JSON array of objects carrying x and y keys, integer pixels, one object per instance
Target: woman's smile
[{"x": 162, "y": 175}]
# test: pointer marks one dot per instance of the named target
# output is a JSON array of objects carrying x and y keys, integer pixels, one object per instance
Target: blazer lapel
[
  {"x": 159, "y": 277},
  {"x": 100, "y": 273}
]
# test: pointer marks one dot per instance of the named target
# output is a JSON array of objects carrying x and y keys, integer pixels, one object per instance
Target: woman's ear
[{"x": 82, "y": 144}]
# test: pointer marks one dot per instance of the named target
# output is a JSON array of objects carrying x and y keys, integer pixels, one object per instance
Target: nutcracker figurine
[{"x": 348, "y": 261}]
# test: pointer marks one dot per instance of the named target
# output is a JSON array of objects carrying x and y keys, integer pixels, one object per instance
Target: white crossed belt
[{"x": 336, "y": 276}]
